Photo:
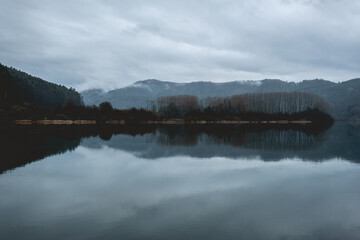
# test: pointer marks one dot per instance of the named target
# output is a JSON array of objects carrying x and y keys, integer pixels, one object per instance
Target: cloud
[{"x": 110, "y": 44}]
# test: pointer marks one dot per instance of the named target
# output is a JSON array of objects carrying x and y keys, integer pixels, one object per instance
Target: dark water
[{"x": 180, "y": 183}]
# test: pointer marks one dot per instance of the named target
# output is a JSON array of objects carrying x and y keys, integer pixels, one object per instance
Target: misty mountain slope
[
  {"x": 341, "y": 96},
  {"x": 92, "y": 96}
]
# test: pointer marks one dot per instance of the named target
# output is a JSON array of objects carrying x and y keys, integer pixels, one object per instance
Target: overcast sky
[{"x": 111, "y": 43}]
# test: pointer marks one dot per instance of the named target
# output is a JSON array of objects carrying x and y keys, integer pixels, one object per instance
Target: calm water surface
[{"x": 181, "y": 183}]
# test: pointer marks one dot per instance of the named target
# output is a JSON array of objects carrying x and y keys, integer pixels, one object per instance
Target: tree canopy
[{"x": 17, "y": 87}]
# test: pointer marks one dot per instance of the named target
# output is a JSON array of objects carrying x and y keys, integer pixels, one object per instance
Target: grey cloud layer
[{"x": 110, "y": 44}]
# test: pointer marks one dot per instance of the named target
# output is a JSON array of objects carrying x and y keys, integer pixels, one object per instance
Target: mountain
[
  {"x": 17, "y": 87},
  {"x": 344, "y": 97}
]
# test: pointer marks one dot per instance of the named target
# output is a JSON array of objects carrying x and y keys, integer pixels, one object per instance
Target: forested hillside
[{"x": 17, "y": 87}]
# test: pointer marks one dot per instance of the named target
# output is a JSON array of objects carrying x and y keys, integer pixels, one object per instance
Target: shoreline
[{"x": 160, "y": 122}]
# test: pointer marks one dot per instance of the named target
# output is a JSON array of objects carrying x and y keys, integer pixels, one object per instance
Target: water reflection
[
  {"x": 258, "y": 138},
  {"x": 24, "y": 144},
  {"x": 200, "y": 183},
  {"x": 111, "y": 194},
  {"x": 20, "y": 145},
  {"x": 341, "y": 141}
]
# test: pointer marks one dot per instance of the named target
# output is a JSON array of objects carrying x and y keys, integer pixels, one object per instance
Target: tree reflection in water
[{"x": 20, "y": 145}]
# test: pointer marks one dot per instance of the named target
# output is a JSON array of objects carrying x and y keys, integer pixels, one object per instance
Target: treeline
[
  {"x": 247, "y": 107},
  {"x": 17, "y": 87},
  {"x": 265, "y": 103},
  {"x": 176, "y": 106},
  {"x": 269, "y": 103},
  {"x": 101, "y": 114}
]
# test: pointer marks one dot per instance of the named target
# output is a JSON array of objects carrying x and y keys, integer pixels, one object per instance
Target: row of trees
[
  {"x": 176, "y": 106},
  {"x": 266, "y": 103},
  {"x": 102, "y": 113}
]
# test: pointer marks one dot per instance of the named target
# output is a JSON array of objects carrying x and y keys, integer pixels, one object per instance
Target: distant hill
[
  {"x": 17, "y": 87},
  {"x": 344, "y": 97}
]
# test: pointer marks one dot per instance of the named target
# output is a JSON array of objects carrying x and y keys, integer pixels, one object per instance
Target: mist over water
[{"x": 181, "y": 183}]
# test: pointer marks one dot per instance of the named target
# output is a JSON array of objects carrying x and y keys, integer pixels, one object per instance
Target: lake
[{"x": 180, "y": 182}]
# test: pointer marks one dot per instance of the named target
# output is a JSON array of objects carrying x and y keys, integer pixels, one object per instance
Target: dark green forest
[{"x": 20, "y": 88}]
